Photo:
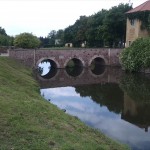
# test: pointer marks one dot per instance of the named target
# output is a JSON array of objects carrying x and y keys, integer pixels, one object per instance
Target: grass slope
[{"x": 28, "y": 122}]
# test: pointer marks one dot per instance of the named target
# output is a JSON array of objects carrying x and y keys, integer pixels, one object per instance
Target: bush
[
  {"x": 137, "y": 56},
  {"x": 26, "y": 40}
]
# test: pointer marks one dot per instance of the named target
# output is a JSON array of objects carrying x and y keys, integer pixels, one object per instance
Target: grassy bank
[{"x": 28, "y": 122}]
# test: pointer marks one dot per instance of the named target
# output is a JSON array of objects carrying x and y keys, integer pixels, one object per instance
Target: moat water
[{"x": 104, "y": 98}]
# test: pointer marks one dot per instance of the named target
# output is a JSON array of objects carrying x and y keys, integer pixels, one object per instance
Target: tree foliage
[
  {"x": 26, "y": 40},
  {"x": 44, "y": 41},
  {"x": 5, "y": 40},
  {"x": 105, "y": 28},
  {"x": 137, "y": 56},
  {"x": 2, "y": 31},
  {"x": 53, "y": 36}
]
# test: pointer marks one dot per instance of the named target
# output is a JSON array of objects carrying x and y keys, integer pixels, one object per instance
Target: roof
[{"x": 143, "y": 7}]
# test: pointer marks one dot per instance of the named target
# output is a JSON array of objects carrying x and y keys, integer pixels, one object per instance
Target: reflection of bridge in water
[
  {"x": 61, "y": 77},
  {"x": 115, "y": 98}
]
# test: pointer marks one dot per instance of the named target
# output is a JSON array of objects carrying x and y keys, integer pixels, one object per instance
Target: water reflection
[
  {"x": 98, "y": 66},
  {"x": 74, "y": 71},
  {"x": 136, "y": 113},
  {"x": 46, "y": 70},
  {"x": 98, "y": 70},
  {"x": 136, "y": 100},
  {"x": 118, "y": 104},
  {"x": 109, "y": 95}
]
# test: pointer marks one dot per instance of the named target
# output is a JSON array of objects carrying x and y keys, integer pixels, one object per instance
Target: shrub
[
  {"x": 137, "y": 56},
  {"x": 26, "y": 40}
]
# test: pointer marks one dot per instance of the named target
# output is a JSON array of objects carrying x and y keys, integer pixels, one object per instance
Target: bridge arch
[
  {"x": 52, "y": 61},
  {"x": 99, "y": 59},
  {"x": 77, "y": 61},
  {"x": 50, "y": 77},
  {"x": 75, "y": 72},
  {"x": 48, "y": 69},
  {"x": 97, "y": 65},
  {"x": 75, "y": 69}
]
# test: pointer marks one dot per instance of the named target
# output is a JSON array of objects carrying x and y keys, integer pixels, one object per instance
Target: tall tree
[
  {"x": 105, "y": 28},
  {"x": 114, "y": 25},
  {"x": 5, "y": 40},
  {"x": 94, "y": 36},
  {"x": 81, "y": 28},
  {"x": 2, "y": 31},
  {"x": 69, "y": 34},
  {"x": 52, "y": 37},
  {"x": 44, "y": 41},
  {"x": 60, "y": 37}
]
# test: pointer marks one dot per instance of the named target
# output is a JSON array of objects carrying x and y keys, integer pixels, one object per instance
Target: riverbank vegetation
[
  {"x": 137, "y": 56},
  {"x": 27, "y": 121}
]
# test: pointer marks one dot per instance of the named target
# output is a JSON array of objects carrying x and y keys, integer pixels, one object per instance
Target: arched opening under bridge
[
  {"x": 47, "y": 68},
  {"x": 98, "y": 66},
  {"x": 74, "y": 67}
]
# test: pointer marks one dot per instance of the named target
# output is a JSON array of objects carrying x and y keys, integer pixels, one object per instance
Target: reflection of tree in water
[
  {"x": 137, "y": 86},
  {"x": 109, "y": 95},
  {"x": 45, "y": 69},
  {"x": 74, "y": 71},
  {"x": 40, "y": 70}
]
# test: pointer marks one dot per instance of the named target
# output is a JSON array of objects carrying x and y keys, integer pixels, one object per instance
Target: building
[
  {"x": 68, "y": 45},
  {"x": 134, "y": 28},
  {"x": 83, "y": 44}
]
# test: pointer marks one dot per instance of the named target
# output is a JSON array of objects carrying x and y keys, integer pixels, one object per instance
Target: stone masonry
[{"x": 32, "y": 57}]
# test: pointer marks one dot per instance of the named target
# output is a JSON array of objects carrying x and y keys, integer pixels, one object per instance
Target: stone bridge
[{"x": 60, "y": 58}]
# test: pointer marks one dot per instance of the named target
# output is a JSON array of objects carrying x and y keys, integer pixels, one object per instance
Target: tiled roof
[{"x": 143, "y": 7}]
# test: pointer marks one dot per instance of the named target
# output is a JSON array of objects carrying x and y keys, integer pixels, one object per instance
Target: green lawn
[{"x": 28, "y": 122}]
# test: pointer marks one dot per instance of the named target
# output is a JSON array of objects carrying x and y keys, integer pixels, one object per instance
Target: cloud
[
  {"x": 42, "y": 16},
  {"x": 59, "y": 92}
]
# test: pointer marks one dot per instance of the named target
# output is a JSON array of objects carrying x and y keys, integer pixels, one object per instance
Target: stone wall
[
  {"x": 61, "y": 57},
  {"x": 134, "y": 31}
]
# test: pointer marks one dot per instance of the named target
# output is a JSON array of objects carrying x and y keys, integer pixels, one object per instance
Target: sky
[{"x": 39, "y": 17}]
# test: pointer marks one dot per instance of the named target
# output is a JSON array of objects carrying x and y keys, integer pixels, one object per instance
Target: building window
[{"x": 132, "y": 21}]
